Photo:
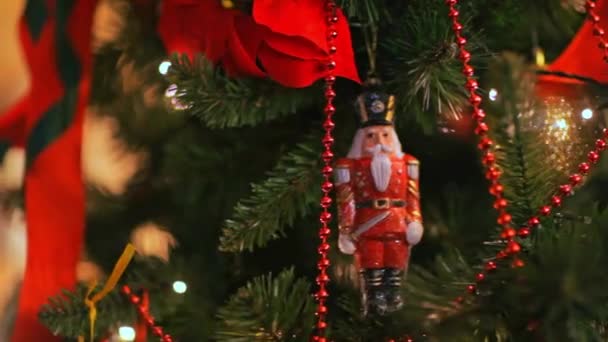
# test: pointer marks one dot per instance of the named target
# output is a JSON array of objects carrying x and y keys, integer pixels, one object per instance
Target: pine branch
[
  {"x": 67, "y": 315},
  {"x": 424, "y": 71},
  {"x": 528, "y": 138},
  {"x": 268, "y": 309},
  {"x": 220, "y": 101},
  {"x": 288, "y": 193}
]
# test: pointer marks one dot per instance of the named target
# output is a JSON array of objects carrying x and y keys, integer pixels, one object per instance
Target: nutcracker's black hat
[{"x": 375, "y": 107}]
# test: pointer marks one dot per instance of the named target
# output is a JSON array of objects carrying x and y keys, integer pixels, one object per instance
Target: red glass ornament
[
  {"x": 167, "y": 338},
  {"x": 500, "y": 203},
  {"x": 504, "y": 219},
  {"x": 493, "y": 174},
  {"x": 480, "y": 277},
  {"x": 513, "y": 247},
  {"x": 600, "y": 144},
  {"x": 509, "y": 233},
  {"x": 329, "y": 109},
  {"x": 485, "y": 143},
  {"x": 593, "y": 157},
  {"x": 496, "y": 189},
  {"x": 323, "y": 248},
  {"x": 479, "y": 114},
  {"x": 481, "y": 128},
  {"x": 471, "y": 83},
  {"x": 584, "y": 168},
  {"x": 475, "y": 99},
  {"x": 598, "y": 32},
  {"x": 325, "y": 218},
  {"x": 605, "y": 131},
  {"x": 465, "y": 56},
  {"x": 467, "y": 70},
  {"x": 556, "y": 201},
  {"x": 575, "y": 179},
  {"x": 135, "y": 299},
  {"x": 501, "y": 255},
  {"x": 545, "y": 210},
  {"x": 566, "y": 189},
  {"x": 325, "y": 201},
  {"x": 517, "y": 263},
  {"x": 158, "y": 331},
  {"x": 330, "y": 93},
  {"x": 459, "y": 300},
  {"x": 471, "y": 288},
  {"x": 523, "y": 232},
  {"x": 533, "y": 222},
  {"x": 323, "y": 263},
  {"x": 490, "y": 266},
  {"x": 324, "y": 232},
  {"x": 126, "y": 289},
  {"x": 322, "y": 325},
  {"x": 489, "y": 158}
]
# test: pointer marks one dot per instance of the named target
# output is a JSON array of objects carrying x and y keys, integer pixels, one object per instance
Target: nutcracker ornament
[{"x": 378, "y": 203}]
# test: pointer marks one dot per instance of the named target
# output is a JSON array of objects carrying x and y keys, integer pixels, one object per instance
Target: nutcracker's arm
[
  {"x": 415, "y": 228},
  {"x": 413, "y": 192},
  {"x": 344, "y": 196}
]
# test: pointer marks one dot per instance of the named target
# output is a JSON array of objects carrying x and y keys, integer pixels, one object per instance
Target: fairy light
[
  {"x": 126, "y": 333},
  {"x": 171, "y": 91},
  {"x": 180, "y": 287},
  {"x": 492, "y": 94},
  {"x": 587, "y": 113},
  {"x": 163, "y": 67}
]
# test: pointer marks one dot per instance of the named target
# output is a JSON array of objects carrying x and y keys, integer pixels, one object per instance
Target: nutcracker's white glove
[
  {"x": 346, "y": 244},
  {"x": 414, "y": 233}
]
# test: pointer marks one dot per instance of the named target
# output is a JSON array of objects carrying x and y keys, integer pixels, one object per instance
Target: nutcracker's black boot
[
  {"x": 374, "y": 292},
  {"x": 392, "y": 282}
]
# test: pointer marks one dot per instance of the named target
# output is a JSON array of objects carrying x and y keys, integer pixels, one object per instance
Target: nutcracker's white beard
[{"x": 381, "y": 166}]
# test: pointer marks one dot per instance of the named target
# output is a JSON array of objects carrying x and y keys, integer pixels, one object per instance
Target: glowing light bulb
[
  {"x": 163, "y": 67},
  {"x": 126, "y": 333},
  {"x": 587, "y": 113},
  {"x": 561, "y": 124},
  {"x": 493, "y": 94},
  {"x": 179, "y": 287},
  {"x": 171, "y": 91}
]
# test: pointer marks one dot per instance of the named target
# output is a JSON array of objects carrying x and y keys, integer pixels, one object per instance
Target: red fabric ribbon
[
  {"x": 582, "y": 57},
  {"x": 283, "y": 40}
]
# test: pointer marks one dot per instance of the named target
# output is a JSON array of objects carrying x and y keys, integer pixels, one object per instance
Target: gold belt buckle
[{"x": 382, "y": 203}]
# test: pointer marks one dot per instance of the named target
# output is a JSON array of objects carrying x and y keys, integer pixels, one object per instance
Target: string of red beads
[
  {"x": 508, "y": 233},
  {"x": 485, "y": 145},
  {"x": 144, "y": 312},
  {"x": 327, "y": 186},
  {"x": 597, "y": 30}
]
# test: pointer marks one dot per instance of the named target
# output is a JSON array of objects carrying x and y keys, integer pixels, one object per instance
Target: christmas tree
[{"x": 210, "y": 163}]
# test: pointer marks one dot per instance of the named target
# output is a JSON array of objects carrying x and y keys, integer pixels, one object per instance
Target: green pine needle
[
  {"x": 220, "y": 101},
  {"x": 288, "y": 193},
  {"x": 424, "y": 70},
  {"x": 268, "y": 309}
]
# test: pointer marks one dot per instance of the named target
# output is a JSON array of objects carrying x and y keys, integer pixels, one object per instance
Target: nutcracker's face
[{"x": 382, "y": 136}]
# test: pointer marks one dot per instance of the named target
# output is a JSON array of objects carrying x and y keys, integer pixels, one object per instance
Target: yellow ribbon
[{"x": 119, "y": 269}]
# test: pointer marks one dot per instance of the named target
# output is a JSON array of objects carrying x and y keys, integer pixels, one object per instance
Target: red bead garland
[
  {"x": 485, "y": 143},
  {"x": 493, "y": 174},
  {"x": 327, "y": 186},
  {"x": 597, "y": 30},
  {"x": 144, "y": 312}
]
